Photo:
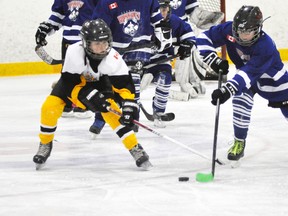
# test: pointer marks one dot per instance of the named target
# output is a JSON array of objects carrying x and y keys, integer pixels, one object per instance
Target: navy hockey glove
[
  {"x": 42, "y": 31},
  {"x": 217, "y": 63},
  {"x": 94, "y": 100},
  {"x": 223, "y": 94},
  {"x": 184, "y": 50},
  {"x": 129, "y": 112}
]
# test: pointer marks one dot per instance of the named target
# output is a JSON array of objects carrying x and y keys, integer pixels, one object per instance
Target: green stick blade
[{"x": 202, "y": 177}]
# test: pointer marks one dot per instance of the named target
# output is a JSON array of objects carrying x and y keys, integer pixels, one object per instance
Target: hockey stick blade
[
  {"x": 41, "y": 52},
  {"x": 165, "y": 117},
  {"x": 203, "y": 177}
]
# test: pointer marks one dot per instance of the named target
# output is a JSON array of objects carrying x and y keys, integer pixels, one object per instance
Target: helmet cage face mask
[
  {"x": 247, "y": 20},
  {"x": 96, "y": 30}
]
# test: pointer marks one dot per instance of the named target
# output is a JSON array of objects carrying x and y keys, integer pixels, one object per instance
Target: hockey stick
[
  {"x": 41, "y": 52},
  {"x": 169, "y": 58},
  {"x": 140, "y": 46},
  {"x": 166, "y": 137},
  {"x": 202, "y": 177},
  {"x": 166, "y": 117}
]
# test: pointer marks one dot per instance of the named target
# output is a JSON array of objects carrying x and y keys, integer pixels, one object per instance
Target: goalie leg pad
[{"x": 146, "y": 81}]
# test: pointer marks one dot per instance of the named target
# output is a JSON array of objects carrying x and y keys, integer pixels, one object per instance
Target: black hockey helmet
[
  {"x": 247, "y": 19},
  {"x": 95, "y": 30}
]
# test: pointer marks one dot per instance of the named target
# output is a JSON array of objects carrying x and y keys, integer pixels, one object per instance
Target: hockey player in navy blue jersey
[
  {"x": 90, "y": 69},
  {"x": 183, "y": 36},
  {"x": 133, "y": 22},
  {"x": 259, "y": 69},
  {"x": 68, "y": 15}
]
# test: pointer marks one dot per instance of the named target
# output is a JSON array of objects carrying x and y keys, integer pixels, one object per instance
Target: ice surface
[{"x": 99, "y": 177}]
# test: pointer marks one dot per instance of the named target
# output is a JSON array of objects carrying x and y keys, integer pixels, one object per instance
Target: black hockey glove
[
  {"x": 217, "y": 63},
  {"x": 95, "y": 100},
  {"x": 223, "y": 94},
  {"x": 42, "y": 31},
  {"x": 163, "y": 35},
  {"x": 129, "y": 112},
  {"x": 184, "y": 50}
]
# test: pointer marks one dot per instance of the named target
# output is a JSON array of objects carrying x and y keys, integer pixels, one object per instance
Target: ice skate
[
  {"x": 97, "y": 126},
  {"x": 157, "y": 120},
  {"x": 141, "y": 157},
  {"x": 81, "y": 113},
  {"x": 42, "y": 155},
  {"x": 237, "y": 150},
  {"x": 67, "y": 112}
]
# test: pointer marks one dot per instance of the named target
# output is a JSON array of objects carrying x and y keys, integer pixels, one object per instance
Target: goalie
[{"x": 190, "y": 72}]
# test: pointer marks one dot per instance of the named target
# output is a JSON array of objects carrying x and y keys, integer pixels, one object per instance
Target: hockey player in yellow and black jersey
[{"x": 94, "y": 76}]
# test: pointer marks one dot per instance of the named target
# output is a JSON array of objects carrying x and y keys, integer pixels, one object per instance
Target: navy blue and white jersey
[
  {"x": 132, "y": 23},
  {"x": 259, "y": 65},
  {"x": 181, "y": 31},
  {"x": 183, "y": 7},
  {"x": 70, "y": 15}
]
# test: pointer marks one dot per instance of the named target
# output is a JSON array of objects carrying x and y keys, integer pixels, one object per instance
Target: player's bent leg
[
  {"x": 163, "y": 84},
  {"x": 242, "y": 107},
  {"x": 50, "y": 113},
  {"x": 128, "y": 138}
]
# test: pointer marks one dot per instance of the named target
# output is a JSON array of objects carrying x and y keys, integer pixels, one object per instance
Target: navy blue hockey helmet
[
  {"x": 247, "y": 19},
  {"x": 95, "y": 30}
]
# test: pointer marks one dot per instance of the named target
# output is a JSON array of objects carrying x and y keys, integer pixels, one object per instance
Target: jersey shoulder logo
[
  {"x": 113, "y": 5},
  {"x": 231, "y": 38}
]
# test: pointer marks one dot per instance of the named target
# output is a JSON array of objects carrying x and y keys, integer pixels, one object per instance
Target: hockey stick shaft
[
  {"x": 41, "y": 52},
  {"x": 216, "y": 126},
  {"x": 147, "y": 115},
  {"x": 169, "y": 58},
  {"x": 164, "y": 136},
  {"x": 132, "y": 48}
]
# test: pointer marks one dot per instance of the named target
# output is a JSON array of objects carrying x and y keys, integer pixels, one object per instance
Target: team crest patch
[{"x": 130, "y": 22}]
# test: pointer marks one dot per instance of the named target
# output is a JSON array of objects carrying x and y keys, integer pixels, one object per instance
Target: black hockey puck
[{"x": 183, "y": 179}]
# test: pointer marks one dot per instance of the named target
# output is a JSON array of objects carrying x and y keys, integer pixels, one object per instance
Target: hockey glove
[
  {"x": 42, "y": 31},
  {"x": 129, "y": 112},
  {"x": 163, "y": 35},
  {"x": 95, "y": 100},
  {"x": 184, "y": 50},
  {"x": 216, "y": 63},
  {"x": 223, "y": 94}
]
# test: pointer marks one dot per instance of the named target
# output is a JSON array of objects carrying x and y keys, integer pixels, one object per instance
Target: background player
[
  {"x": 182, "y": 35},
  {"x": 186, "y": 70},
  {"x": 133, "y": 22},
  {"x": 259, "y": 69},
  {"x": 68, "y": 15}
]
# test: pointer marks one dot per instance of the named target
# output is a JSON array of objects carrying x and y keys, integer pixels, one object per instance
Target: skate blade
[
  {"x": 235, "y": 164},
  {"x": 83, "y": 115},
  {"x": 94, "y": 136},
  {"x": 146, "y": 165},
  {"x": 39, "y": 166}
]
